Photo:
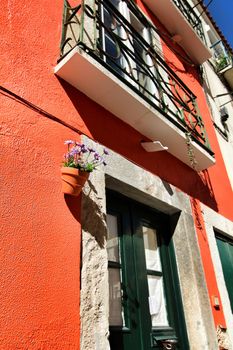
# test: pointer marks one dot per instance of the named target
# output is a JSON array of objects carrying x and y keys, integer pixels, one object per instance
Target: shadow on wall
[
  {"x": 93, "y": 220},
  {"x": 115, "y": 134},
  {"x": 74, "y": 205},
  {"x": 87, "y": 212},
  {"x": 118, "y": 136}
]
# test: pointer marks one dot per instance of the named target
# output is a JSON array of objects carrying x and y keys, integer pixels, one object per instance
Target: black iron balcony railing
[
  {"x": 191, "y": 16},
  {"x": 122, "y": 47}
]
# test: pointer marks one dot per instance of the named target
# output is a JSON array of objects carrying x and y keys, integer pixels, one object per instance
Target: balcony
[
  {"x": 224, "y": 66},
  {"x": 117, "y": 63},
  {"x": 182, "y": 22}
]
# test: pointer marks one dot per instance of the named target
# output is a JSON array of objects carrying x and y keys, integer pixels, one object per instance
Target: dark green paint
[
  {"x": 138, "y": 333},
  {"x": 225, "y": 248}
]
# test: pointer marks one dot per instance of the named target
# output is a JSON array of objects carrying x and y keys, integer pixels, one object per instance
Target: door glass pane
[
  {"x": 113, "y": 240},
  {"x": 157, "y": 302},
  {"x": 151, "y": 249},
  {"x": 115, "y": 310}
]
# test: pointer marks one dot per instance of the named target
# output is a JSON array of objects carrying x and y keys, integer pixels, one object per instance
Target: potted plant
[
  {"x": 79, "y": 161},
  {"x": 222, "y": 61}
]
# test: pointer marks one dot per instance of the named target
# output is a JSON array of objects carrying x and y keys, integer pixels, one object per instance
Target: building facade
[{"x": 143, "y": 258}]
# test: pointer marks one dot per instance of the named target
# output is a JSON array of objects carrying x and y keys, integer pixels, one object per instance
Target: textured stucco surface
[
  {"x": 94, "y": 280},
  {"x": 199, "y": 319},
  {"x": 39, "y": 228}
]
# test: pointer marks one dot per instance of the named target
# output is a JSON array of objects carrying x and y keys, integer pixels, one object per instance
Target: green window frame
[{"x": 225, "y": 248}]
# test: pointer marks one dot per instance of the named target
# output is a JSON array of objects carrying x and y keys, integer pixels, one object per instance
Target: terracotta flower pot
[{"x": 73, "y": 180}]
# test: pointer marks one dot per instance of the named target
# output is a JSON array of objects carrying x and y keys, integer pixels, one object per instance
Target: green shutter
[{"x": 225, "y": 248}]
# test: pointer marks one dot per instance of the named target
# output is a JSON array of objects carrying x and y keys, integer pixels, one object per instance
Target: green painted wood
[
  {"x": 138, "y": 333},
  {"x": 225, "y": 248}
]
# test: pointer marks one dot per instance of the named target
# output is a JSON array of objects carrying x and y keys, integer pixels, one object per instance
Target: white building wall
[{"x": 214, "y": 86}]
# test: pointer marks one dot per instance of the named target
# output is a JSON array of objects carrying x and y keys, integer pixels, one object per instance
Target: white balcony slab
[
  {"x": 228, "y": 75},
  {"x": 90, "y": 77},
  {"x": 178, "y": 26}
]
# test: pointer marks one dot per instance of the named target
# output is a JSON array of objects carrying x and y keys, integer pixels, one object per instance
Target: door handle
[{"x": 169, "y": 344}]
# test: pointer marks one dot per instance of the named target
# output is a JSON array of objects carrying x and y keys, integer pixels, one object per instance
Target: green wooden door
[
  {"x": 145, "y": 302},
  {"x": 225, "y": 248}
]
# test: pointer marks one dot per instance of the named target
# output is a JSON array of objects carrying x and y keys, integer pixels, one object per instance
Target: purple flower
[
  {"x": 78, "y": 144},
  {"x": 74, "y": 151},
  {"x": 97, "y": 156},
  {"x": 83, "y": 148},
  {"x": 76, "y": 157}
]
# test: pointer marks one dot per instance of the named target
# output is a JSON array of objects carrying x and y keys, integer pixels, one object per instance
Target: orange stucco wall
[
  {"x": 40, "y": 229},
  {"x": 211, "y": 281}
]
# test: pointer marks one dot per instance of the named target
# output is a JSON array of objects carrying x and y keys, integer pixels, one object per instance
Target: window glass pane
[
  {"x": 115, "y": 3},
  {"x": 115, "y": 307},
  {"x": 157, "y": 302},
  {"x": 111, "y": 40},
  {"x": 113, "y": 55},
  {"x": 151, "y": 249},
  {"x": 113, "y": 240}
]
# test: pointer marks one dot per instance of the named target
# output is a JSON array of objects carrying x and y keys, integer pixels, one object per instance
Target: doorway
[{"x": 145, "y": 307}]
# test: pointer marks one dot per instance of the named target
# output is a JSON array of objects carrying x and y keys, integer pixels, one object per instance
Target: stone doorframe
[
  {"x": 214, "y": 222},
  {"x": 129, "y": 179}
]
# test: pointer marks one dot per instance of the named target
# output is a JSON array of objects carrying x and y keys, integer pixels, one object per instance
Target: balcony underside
[
  {"x": 228, "y": 75},
  {"x": 177, "y": 25},
  {"x": 90, "y": 77}
]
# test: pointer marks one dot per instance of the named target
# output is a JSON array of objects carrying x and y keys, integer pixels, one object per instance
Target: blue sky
[{"x": 222, "y": 12}]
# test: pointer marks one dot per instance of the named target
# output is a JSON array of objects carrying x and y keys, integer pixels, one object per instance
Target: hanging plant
[
  {"x": 191, "y": 155},
  {"x": 79, "y": 161}
]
